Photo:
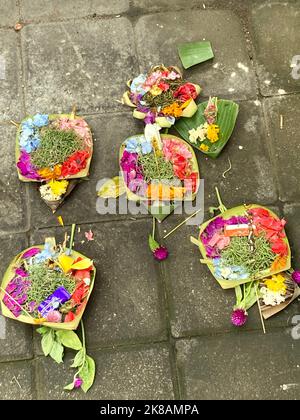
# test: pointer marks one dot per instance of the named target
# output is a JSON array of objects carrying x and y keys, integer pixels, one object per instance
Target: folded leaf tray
[
  {"x": 52, "y": 117},
  {"x": 226, "y": 119},
  {"x": 160, "y": 211},
  {"x": 10, "y": 274},
  {"x": 228, "y": 284}
]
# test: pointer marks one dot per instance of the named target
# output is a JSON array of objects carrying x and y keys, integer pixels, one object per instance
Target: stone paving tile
[
  {"x": 292, "y": 215},
  {"x": 87, "y": 63},
  {"x": 10, "y": 76},
  {"x": 249, "y": 179},
  {"x": 284, "y": 144},
  {"x": 17, "y": 381},
  {"x": 275, "y": 49},
  {"x": 80, "y": 206},
  {"x": 197, "y": 303},
  {"x": 15, "y": 338},
  {"x": 13, "y": 216},
  {"x": 56, "y": 9},
  {"x": 126, "y": 304},
  {"x": 9, "y": 12},
  {"x": 232, "y": 367},
  {"x": 125, "y": 374},
  {"x": 230, "y": 74}
]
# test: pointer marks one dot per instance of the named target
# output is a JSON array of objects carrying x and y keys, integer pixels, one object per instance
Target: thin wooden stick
[
  {"x": 72, "y": 237},
  {"x": 260, "y": 312},
  {"x": 73, "y": 113},
  {"x": 182, "y": 223},
  {"x": 15, "y": 123}
]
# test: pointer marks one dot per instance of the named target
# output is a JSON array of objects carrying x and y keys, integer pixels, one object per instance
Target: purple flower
[
  {"x": 78, "y": 382},
  {"x": 239, "y": 317},
  {"x": 20, "y": 272},
  {"x": 32, "y": 306},
  {"x": 296, "y": 277},
  {"x": 31, "y": 253},
  {"x": 149, "y": 118},
  {"x": 160, "y": 253},
  {"x": 212, "y": 252},
  {"x": 26, "y": 168}
]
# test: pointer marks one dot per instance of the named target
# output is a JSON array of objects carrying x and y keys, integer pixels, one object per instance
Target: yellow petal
[
  {"x": 112, "y": 188},
  {"x": 65, "y": 262},
  {"x": 60, "y": 220},
  {"x": 82, "y": 265}
]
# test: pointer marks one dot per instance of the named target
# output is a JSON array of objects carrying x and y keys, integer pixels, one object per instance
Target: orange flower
[
  {"x": 173, "y": 110},
  {"x": 164, "y": 192},
  {"x": 48, "y": 173},
  {"x": 279, "y": 263}
]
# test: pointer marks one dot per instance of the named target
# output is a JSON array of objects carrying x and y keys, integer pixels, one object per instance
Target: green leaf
[
  {"x": 43, "y": 330},
  {"x": 87, "y": 374},
  {"x": 192, "y": 53},
  {"x": 48, "y": 342},
  {"x": 226, "y": 119},
  {"x": 152, "y": 243},
  {"x": 79, "y": 359},
  {"x": 69, "y": 339},
  {"x": 239, "y": 295},
  {"x": 57, "y": 352},
  {"x": 69, "y": 387}
]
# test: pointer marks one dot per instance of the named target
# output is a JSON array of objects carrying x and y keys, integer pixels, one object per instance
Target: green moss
[
  {"x": 155, "y": 167},
  {"x": 255, "y": 259},
  {"x": 56, "y": 146},
  {"x": 45, "y": 281}
]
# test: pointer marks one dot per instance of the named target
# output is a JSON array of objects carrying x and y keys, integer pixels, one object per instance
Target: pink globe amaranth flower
[
  {"x": 54, "y": 316},
  {"x": 78, "y": 382},
  {"x": 296, "y": 277},
  {"x": 160, "y": 253},
  {"x": 20, "y": 272},
  {"x": 239, "y": 317}
]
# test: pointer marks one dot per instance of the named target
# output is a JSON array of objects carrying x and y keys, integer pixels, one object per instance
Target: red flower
[
  {"x": 186, "y": 92},
  {"x": 191, "y": 182},
  {"x": 279, "y": 247},
  {"x": 164, "y": 86},
  {"x": 75, "y": 163},
  {"x": 69, "y": 317}
]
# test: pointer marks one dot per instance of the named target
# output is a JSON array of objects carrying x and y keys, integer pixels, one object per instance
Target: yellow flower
[
  {"x": 173, "y": 110},
  {"x": 276, "y": 284},
  {"x": 213, "y": 133},
  {"x": 155, "y": 90},
  {"x": 204, "y": 148},
  {"x": 58, "y": 187},
  {"x": 48, "y": 173}
]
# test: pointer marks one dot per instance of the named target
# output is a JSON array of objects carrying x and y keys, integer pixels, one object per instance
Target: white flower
[
  {"x": 47, "y": 194},
  {"x": 271, "y": 298},
  {"x": 199, "y": 133}
]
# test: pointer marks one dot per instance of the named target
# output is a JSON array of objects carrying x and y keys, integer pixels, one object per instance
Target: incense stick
[
  {"x": 260, "y": 312},
  {"x": 182, "y": 223}
]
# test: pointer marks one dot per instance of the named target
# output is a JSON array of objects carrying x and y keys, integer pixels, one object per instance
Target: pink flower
[
  {"x": 296, "y": 277},
  {"x": 54, "y": 316},
  {"x": 31, "y": 253},
  {"x": 160, "y": 253},
  {"x": 89, "y": 235},
  {"x": 239, "y": 317},
  {"x": 20, "y": 272},
  {"x": 78, "y": 382}
]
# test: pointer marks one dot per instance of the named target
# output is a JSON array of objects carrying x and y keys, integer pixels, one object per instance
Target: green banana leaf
[
  {"x": 10, "y": 273},
  {"x": 161, "y": 211},
  {"x": 229, "y": 284},
  {"x": 82, "y": 174},
  {"x": 226, "y": 119},
  {"x": 192, "y": 53}
]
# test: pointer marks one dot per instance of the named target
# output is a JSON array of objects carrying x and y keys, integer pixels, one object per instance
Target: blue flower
[
  {"x": 46, "y": 254},
  {"x": 28, "y": 123},
  {"x": 132, "y": 145},
  {"x": 29, "y": 143},
  {"x": 146, "y": 147},
  {"x": 26, "y": 132},
  {"x": 39, "y": 120},
  {"x": 136, "y": 86}
]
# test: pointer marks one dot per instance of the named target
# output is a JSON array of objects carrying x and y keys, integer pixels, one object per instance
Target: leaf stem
[{"x": 153, "y": 227}]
